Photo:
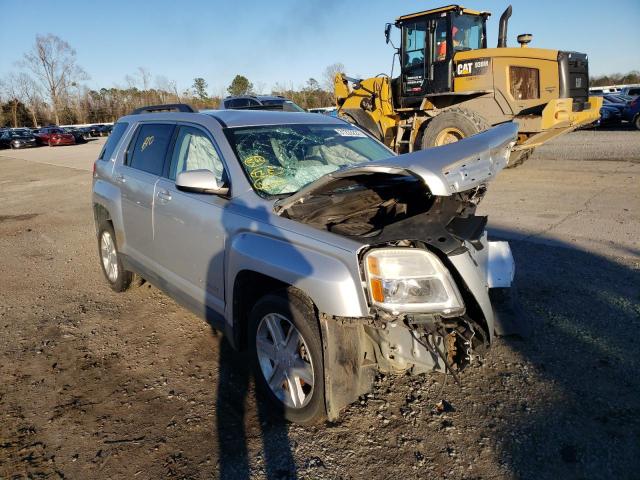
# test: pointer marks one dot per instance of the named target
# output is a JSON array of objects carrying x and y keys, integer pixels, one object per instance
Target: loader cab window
[
  {"x": 467, "y": 32},
  {"x": 439, "y": 41},
  {"x": 414, "y": 35}
]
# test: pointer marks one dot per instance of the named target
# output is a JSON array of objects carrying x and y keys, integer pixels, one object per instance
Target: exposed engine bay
[{"x": 384, "y": 208}]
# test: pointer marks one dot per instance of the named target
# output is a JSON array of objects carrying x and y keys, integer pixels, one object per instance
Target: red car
[{"x": 54, "y": 136}]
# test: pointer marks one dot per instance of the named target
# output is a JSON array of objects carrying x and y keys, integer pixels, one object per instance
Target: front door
[
  {"x": 190, "y": 228},
  {"x": 137, "y": 177}
]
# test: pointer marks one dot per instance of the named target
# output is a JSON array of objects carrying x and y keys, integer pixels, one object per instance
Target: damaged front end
[{"x": 425, "y": 261}]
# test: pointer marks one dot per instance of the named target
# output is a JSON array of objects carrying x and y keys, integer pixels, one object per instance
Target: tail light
[{"x": 634, "y": 102}]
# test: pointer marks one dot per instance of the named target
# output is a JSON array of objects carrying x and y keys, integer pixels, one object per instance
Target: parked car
[
  {"x": 609, "y": 115},
  {"x": 17, "y": 139},
  {"x": 260, "y": 102},
  {"x": 632, "y": 91},
  {"x": 93, "y": 130},
  {"x": 309, "y": 243},
  {"x": 79, "y": 135},
  {"x": 54, "y": 136},
  {"x": 631, "y": 113},
  {"x": 105, "y": 130}
]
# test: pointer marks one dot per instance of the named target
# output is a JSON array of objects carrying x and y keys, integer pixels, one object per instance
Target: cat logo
[
  {"x": 147, "y": 142},
  {"x": 477, "y": 66}
]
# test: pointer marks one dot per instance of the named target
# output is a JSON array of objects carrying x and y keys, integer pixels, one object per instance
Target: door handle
[
  {"x": 120, "y": 178},
  {"x": 163, "y": 195}
]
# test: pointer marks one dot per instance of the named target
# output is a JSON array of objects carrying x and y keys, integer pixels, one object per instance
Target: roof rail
[
  {"x": 258, "y": 107},
  {"x": 169, "y": 107}
]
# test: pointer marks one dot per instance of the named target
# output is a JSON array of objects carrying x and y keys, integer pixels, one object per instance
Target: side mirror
[
  {"x": 387, "y": 32},
  {"x": 200, "y": 181}
]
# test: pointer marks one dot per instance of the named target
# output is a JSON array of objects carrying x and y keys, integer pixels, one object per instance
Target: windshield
[
  {"x": 467, "y": 32},
  {"x": 282, "y": 159}
]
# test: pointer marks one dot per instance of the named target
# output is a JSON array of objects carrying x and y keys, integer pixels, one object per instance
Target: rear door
[
  {"x": 190, "y": 228},
  {"x": 137, "y": 176}
]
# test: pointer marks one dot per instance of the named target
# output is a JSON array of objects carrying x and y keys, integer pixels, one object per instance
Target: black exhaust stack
[{"x": 502, "y": 33}]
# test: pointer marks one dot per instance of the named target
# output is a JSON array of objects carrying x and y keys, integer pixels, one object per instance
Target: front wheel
[
  {"x": 119, "y": 279},
  {"x": 636, "y": 122},
  {"x": 286, "y": 349},
  {"x": 452, "y": 125}
]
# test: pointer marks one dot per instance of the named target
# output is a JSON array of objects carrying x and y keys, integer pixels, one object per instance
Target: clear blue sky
[{"x": 288, "y": 41}]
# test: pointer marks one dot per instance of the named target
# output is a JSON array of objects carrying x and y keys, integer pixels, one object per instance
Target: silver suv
[{"x": 309, "y": 243}]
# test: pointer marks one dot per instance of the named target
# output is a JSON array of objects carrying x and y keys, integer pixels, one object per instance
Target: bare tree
[
  {"x": 30, "y": 94},
  {"x": 329, "y": 76},
  {"x": 10, "y": 87},
  {"x": 53, "y": 61},
  {"x": 145, "y": 77}
]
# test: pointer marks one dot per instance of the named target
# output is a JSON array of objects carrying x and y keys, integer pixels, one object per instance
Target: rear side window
[
  {"x": 150, "y": 148},
  {"x": 113, "y": 140}
]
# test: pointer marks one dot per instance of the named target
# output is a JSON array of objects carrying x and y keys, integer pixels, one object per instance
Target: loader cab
[{"x": 430, "y": 40}]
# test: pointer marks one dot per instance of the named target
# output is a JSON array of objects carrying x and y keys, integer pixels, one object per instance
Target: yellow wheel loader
[{"x": 451, "y": 86}]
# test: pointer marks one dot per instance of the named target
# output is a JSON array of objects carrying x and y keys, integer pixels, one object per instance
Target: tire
[
  {"x": 452, "y": 125},
  {"x": 118, "y": 278},
  {"x": 281, "y": 310},
  {"x": 518, "y": 158},
  {"x": 636, "y": 122}
]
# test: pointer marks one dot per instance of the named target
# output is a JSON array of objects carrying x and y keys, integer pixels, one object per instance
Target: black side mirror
[{"x": 387, "y": 32}]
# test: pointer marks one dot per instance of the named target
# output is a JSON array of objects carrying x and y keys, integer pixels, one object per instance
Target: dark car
[
  {"x": 105, "y": 130},
  {"x": 93, "y": 130},
  {"x": 17, "y": 139},
  {"x": 631, "y": 113},
  {"x": 260, "y": 102},
  {"x": 79, "y": 135}
]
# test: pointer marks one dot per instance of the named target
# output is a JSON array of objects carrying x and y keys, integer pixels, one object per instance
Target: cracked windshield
[{"x": 282, "y": 159}]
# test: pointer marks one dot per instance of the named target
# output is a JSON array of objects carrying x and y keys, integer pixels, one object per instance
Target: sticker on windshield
[{"x": 349, "y": 132}]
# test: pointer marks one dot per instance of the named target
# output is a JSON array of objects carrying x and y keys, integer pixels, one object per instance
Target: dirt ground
[{"x": 95, "y": 384}]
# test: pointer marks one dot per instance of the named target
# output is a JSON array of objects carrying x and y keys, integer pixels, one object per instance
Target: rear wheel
[
  {"x": 452, "y": 125},
  {"x": 286, "y": 348},
  {"x": 119, "y": 279},
  {"x": 636, "y": 122}
]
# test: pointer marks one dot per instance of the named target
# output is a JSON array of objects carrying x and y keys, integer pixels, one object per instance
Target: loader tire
[
  {"x": 452, "y": 125},
  {"x": 518, "y": 158}
]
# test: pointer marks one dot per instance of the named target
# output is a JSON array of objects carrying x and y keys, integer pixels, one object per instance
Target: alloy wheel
[
  {"x": 285, "y": 360},
  {"x": 109, "y": 256}
]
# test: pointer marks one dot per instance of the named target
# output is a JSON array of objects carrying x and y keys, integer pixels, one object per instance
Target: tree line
[{"x": 49, "y": 88}]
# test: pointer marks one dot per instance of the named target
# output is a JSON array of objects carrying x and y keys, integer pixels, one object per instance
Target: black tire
[
  {"x": 461, "y": 122},
  {"x": 636, "y": 122},
  {"x": 518, "y": 158},
  {"x": 123, "y": 278},
  {"x": 298, "y": 310}
]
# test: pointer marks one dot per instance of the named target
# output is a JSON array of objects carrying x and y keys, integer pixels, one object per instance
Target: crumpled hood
[{"x": 445, "y": 170}]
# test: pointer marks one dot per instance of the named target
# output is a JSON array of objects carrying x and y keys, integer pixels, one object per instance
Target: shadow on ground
[{"x": 587, "y": 313}]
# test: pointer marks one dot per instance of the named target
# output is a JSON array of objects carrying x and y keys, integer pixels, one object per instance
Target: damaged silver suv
[{"x": 308, "y": 242}]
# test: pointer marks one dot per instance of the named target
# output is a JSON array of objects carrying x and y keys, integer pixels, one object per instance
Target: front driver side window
[{"x": 193, "y": 151}]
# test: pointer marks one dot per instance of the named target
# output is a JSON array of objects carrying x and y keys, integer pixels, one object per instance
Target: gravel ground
[{"x": 95, "y": 384}]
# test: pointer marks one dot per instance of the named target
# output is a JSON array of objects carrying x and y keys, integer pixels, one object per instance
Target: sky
[{"x": 287, "y": 42}]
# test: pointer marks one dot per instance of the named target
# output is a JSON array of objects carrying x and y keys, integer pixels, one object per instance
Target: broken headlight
[{"x": 411, "y": 280}]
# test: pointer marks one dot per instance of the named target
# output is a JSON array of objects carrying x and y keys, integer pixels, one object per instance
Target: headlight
[{"x": 411, "y": 280}]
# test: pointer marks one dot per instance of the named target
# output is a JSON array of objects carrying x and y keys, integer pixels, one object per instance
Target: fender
[
  {"x": 109, "y": 196},
  {"x": 332, "y": 284}
]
